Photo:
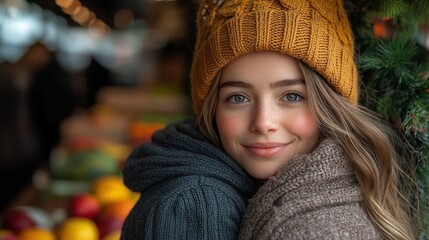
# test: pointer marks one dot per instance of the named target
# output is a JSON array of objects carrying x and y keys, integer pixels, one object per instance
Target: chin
[{"x": 261, "y": 175}]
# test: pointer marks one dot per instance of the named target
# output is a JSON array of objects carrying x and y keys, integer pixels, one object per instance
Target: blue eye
[
  {"x": 292, "y": 97},
  {"x": 237, "y": 99}
]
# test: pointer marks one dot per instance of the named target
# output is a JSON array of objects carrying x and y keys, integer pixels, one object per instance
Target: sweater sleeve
[{"x": 195, "y": 208}]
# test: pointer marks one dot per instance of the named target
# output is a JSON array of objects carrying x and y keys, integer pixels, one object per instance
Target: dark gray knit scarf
[
  {"x": 181, "y": 150},
  {"x": 314, "y": 196}
]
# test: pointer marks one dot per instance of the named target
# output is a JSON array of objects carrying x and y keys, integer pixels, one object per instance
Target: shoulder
[
  {"x": 337, "y": 222},
  {"x": 206, "y": 192},
  {"x": 348, "y": 221},
  {"x": 186, "y": 208}
]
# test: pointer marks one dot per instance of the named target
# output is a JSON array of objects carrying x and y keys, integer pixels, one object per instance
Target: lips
[{"x": 265, "y": 150}]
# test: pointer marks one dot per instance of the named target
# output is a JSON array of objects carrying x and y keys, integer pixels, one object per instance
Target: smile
[{"x": 265, "y": 150}]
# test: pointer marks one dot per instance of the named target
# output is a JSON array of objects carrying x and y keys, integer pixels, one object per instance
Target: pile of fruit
[
  {"x": 93, "y": 215},
  {"x": 85, "y": 173},
  {"x": 86, "y": 158}
]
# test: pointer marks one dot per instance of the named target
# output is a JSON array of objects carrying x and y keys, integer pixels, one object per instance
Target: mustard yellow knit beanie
[{"x": 316, "y": 32}]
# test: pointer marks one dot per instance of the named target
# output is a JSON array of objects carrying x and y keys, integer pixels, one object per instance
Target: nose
[{"x": 264, "y": 120}]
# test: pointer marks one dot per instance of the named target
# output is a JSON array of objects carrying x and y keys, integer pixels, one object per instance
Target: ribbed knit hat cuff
[{"x": 317, "y": 44}]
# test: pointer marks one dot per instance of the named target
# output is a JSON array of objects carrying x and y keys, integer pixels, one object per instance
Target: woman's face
[{"x": 262, "y": 112}]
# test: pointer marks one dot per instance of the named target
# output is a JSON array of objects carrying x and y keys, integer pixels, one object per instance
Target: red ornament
[
  {"x": 379, "y": 28},
  {"x": 383, "y": 28}
]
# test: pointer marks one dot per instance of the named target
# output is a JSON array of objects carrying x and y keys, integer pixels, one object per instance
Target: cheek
[
  {"x": 306, "y": 126},
  {"x": 228, "y": 125}
]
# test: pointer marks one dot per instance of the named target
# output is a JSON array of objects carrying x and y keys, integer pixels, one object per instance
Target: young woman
[
  {"x": 274, "y": 90},
  {"x": 345, "y": 187}
]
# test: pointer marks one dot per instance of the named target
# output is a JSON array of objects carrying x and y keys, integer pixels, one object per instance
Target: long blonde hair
[
  {"x": 365, "y": 138},
  {"x": 368, "y": 142}
]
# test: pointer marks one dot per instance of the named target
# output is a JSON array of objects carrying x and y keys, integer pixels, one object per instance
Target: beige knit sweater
[{"x": 314, "y": 196}]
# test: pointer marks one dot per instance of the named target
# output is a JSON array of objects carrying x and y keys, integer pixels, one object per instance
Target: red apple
[
  {"x": 39, "y": 216},
  {"x": 107, "y": 224},
  {"x": 17, "y": 220},
  {"x": 84, "y": 205}
]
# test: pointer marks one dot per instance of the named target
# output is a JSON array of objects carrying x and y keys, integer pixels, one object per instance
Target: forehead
[{"x": 264, "y": 64}]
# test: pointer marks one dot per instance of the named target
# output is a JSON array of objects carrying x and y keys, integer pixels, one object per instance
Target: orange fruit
[
  {"x": 36, "y": 233},
  {"x": 76, "y": 228},
  {"x": 120, "y": 208},
  {"x": 140, "y": 131},
  {"x": 135, "y": 196},
  {"x": 110, "y": 188}
]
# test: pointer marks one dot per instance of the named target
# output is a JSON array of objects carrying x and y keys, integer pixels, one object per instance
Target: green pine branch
[
  {"x": 395, "y": 75},
  {"x": 415, "y": 10},
  {"x": 390, "y": 72}
]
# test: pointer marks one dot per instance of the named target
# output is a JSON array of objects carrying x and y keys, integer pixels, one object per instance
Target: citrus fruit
[
  {"x": 109, "y": 189},
  {"x": 76, "y": 228},
  {"x": 141, "y": 131},
  {"x": 120, "y": 208},
  {"x": 36, "y": 233}
]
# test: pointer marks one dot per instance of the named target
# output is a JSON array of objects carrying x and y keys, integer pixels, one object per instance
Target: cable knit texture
[
  {"x": 190, "y": 189},
  {"x": 316, "y": 32},
  {"x": 314, "y": 196}
]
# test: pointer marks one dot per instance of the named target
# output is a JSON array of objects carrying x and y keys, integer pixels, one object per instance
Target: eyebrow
[{"x": 281, "y": 83}]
